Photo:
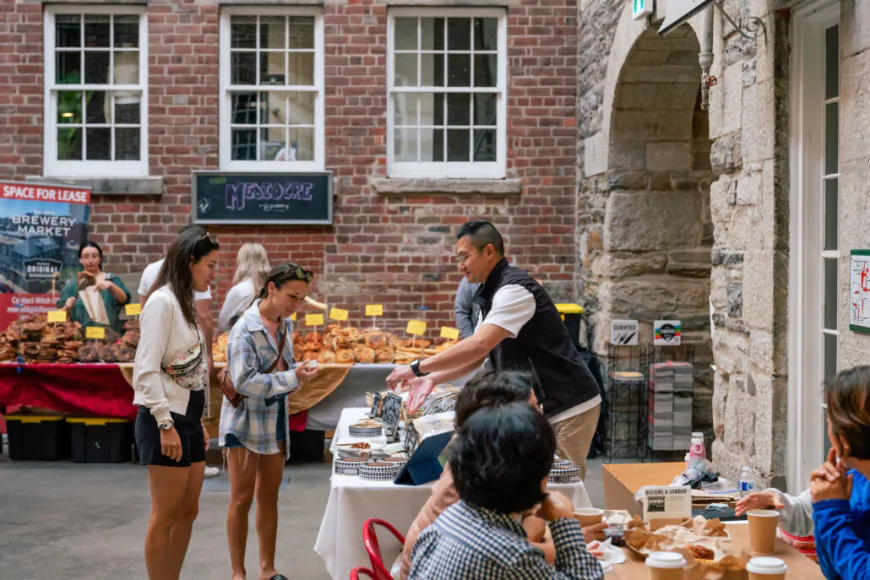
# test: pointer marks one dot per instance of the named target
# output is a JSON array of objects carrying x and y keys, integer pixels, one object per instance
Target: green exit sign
[{"x": 640, "y": 8}]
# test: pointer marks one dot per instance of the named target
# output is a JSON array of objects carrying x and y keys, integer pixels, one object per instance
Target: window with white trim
[
  {"x": 447, "y": 79},
  {"x": 96, "y": 114},
  {"x": 272, "y": 89}
]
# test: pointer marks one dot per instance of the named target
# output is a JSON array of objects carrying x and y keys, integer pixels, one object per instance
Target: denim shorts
[{"x": 232, "y": 442}]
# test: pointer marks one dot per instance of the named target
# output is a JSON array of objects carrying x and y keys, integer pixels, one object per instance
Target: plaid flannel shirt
[
  {"x": 251, "y": 350},
  {"x": 474, "y": 543}
]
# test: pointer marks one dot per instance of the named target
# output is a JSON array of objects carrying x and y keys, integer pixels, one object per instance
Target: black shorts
[{"x": 189, "y": 430}]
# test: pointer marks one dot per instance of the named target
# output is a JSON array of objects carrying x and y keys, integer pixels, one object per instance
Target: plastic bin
[
  {"x": 36, "y": 438},
  {"x": 571, "y": 315},
  {"x": 100, "y": 440}
]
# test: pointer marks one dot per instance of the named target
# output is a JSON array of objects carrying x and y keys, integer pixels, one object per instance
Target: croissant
[
  {"x": 309, "y": 355},
  {"x": 364, "y": 354},
  {"x": 344, "y": 356},
  {"x": 314, "y": 338},
  {"x": 384, "y": 355},
  {"x": 326, "y": 357},
  {"x": 375, "y": 340}
]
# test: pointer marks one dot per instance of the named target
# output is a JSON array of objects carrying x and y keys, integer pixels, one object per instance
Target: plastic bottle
[
  {"x": 746, "y": 483},
  {"x": 697, "y": 451}
]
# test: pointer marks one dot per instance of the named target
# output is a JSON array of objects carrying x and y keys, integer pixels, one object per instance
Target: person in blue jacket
[{"x": 840, "y": 489}]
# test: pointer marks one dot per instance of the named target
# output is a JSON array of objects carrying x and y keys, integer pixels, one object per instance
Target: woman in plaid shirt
[
  {"x": 500, "y": 463},
  {"x": 254, "y": 434}
]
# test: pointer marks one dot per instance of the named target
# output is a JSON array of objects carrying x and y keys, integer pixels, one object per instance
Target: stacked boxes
[{"x": 670, "y": 406}]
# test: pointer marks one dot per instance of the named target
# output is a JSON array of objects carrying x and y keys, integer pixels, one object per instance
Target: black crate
[
  {"x": 36, "y": 438},
  {"x": 100, "y": 440}
]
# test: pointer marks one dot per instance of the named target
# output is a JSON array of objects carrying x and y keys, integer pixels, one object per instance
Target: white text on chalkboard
[{"x": 238, "y": 193}]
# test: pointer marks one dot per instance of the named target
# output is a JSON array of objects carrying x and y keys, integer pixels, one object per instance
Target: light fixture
[{"x": 67, "y": 115}]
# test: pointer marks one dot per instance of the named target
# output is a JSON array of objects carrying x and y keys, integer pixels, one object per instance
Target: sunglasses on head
[{"x": 294, "y": 272}]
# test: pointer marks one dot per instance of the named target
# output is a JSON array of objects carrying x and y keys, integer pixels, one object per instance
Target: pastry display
[
  {"x": 219, "y": 348},
  {"x": 326, "y": 357},
  {"x": 366, "y": 428},
  {"x": 344, "y": 356},
  {"x": 699, "y": 536},
  {"x": 348, "y": 465},
  {"x": 379, "y": 470},
  {"x": 37, "y": 341}
]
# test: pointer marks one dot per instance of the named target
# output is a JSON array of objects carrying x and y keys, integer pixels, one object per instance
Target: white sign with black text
[
  {"x": 623, "y": 333},
  {"x": 667, "y": 503}
]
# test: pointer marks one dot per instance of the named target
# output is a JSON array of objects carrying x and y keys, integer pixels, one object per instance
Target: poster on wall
[
  {"x": 667, "y": 333},
  {"x": 859, "y": 291},
  {"x": 41, "y": 229}
]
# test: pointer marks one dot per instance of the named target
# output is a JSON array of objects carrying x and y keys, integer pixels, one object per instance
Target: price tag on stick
[
  {"x": 314, "y": 319},
  {"x": 57, "y": 316},
  {"x": 133, "y": 309},
  {"x": 338, "y": 314},
  {"x": 416, "y": 327},
  {"x": 95, "y": 332},
  {"x": 449, "y": 333},
  {"x": 374, "y": 309}
]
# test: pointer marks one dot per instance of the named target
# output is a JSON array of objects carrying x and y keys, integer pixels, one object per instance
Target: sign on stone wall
[
  {"x": 623, "y": 333},
  {"x": 859, "y": 291},
  {"x": 667, "y": 333},
  {"x": 679, "y": 11},
  {"x": 641, "y": 8}
]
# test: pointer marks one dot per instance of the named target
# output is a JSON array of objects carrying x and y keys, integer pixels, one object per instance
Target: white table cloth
[{"x": 353, "y": 500}]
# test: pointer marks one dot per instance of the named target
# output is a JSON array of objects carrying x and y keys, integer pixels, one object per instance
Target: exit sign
[{"x": 640, "y": 8}]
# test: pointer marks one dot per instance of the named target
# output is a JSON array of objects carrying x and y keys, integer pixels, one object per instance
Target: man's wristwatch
[
  {"x": 415, "y": 367},
  {"x": 165, "y": 425}
]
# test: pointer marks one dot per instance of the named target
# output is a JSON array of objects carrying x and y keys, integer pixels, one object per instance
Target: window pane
[
  {"x": 244, "y": 68},
  {"x": 98, "y": 109},
  {"x": 432, "y": 109},
  {"x": 458, "y": 34},
  {"x": 272, "y": 67},
  {"x": 830, "y": 355},
  {"x": 97, "y": 68},
  {"x": 244, "y": 144},
  {"x": 244, "y": 109},
  {"x": 459, "y": 109},
  {"x": 485, "y": 109},
  {"x": 126, "y": 68},
  {"x": 68, "y": 68},
  {"x": 431, "y": 145},
  {"x": 302, "y": 140},
  {"x": 405, "y": 70},
  {"x": 831, "y": 138},
  {"x": 485, "y": 34},
  {"x": 458, "y": 145},
  {"x": 432, "y": 70},
  {"x": 302, "y": 32},
  {"x": 831, "y": 213},
  {"x": 272, "y": 32},
  {"x": 459, "y": 70},
  {"x": 243, "y": 32},
  {"x": 271, "y": 143},
  {"x": 127, "y": 144},
  {"x": 484, "y": 144},
  {"x": 405, "y": 34},
  {"x": 832, "y": 62},
  {"x": 432, "y": 32},
  {"x": 126, "y": 31},
  {"x": 405, "y": 109},
  {"x": 830, "y": 298},
  {"x": 485, "y": 70},
  {"x": 68, "y": 30},
  {"x": 69, "y": 107},
  {"x": 301, "y": 108},
  {"x": 69, "y": 144},
  {"x": 301, "y": 69},
  {"x": 99, "y": 143},
  {"x": 405, "y": 145},
  {"x": 127, "y": 108},
  {"x": 97, "y": 30}
]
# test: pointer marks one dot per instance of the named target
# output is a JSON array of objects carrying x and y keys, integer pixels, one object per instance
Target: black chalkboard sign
[{"x": 262, "y": 198}]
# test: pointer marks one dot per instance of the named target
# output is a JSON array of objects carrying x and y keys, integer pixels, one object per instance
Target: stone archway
[{"x": 657, "y": 233}]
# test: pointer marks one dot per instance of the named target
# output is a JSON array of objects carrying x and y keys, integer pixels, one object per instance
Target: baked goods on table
[{"x": 699, "y": 536}]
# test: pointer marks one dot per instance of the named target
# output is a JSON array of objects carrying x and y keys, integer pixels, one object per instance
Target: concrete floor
[{"x": 72, "y": 521}]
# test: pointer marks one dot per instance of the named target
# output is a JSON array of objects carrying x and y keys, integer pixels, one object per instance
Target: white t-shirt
[
  {"x": 149, "y": 277},
  {"x": 512, "y": 308},
  {"x": 237, "y": 301}
]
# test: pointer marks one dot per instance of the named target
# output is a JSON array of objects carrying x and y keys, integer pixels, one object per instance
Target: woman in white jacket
[
  {"x": 252, "y": 267},
  {"x": 169, "y": 379}
]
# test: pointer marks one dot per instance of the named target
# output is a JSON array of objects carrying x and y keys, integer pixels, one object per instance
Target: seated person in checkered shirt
[{"x": 500, "y": 463}]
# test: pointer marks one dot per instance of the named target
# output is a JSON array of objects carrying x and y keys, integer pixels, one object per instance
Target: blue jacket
[{"x": 843, "y": 533}]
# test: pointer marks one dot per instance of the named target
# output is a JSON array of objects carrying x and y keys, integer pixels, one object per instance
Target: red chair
[
  {"x": 355, "y": 574},
  {"x": 370, "y": 537}
]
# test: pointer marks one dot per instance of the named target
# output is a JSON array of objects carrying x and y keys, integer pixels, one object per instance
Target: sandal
[{"x": 279, "y": 577}]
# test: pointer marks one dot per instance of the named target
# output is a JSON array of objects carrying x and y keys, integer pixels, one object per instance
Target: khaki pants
[{"x": 574, "y": 437}]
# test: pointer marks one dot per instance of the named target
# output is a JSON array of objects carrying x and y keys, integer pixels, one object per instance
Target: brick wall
[{"x": 395, "y": 250}]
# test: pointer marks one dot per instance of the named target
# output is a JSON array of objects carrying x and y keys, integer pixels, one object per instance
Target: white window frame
[
  {"x": 450, "y": 169},
  {"x": 262, "y": 166},
  {"x": 806, "y": 431},
  {"x": 52, "y": 167}
]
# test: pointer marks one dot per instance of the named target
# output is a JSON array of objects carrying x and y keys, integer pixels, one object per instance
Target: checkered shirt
[
  {"x": 474, "y": 543},
  {"x": 251, "y": 350}
]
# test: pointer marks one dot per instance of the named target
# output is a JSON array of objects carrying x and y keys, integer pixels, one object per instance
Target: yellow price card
[
  {"x": 133, "y": 309},
  {"x": 314, "y": 319},
  {"x": 293, "y": 317},
  {"x": 57, "y": 316},
  {"x": 338, "y": 314},
  {"x": 374, "y": 309},
  {"x": 96, "y": 332},
  {"x": 449, "y": 333},
  {"x": 416, "y": 327}
]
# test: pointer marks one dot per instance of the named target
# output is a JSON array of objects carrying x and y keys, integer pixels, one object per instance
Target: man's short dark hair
[
  {"x": 482, "y": 234},
  {"x": 501, "y": 456},
  {"x": 490, "y": 389}
]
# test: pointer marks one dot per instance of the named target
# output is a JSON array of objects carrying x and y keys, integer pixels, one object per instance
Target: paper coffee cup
[
  {"x": 766, "y": 569},
  {"x": 762, "y": 530},
  {"x": 665, "y": 565},
  {"x": 588, "y": 516}
]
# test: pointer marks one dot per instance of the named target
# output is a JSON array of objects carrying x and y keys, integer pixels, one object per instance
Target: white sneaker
[{"x": 212, "y": 471}]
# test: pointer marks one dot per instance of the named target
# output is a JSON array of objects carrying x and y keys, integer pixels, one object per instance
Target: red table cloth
[{"x": 84, "y": 390}]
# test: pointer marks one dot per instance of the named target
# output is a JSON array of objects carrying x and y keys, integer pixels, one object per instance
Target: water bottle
[
  {"x": 697, "y": 451},
  {"x": 746, "y": 484}
]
